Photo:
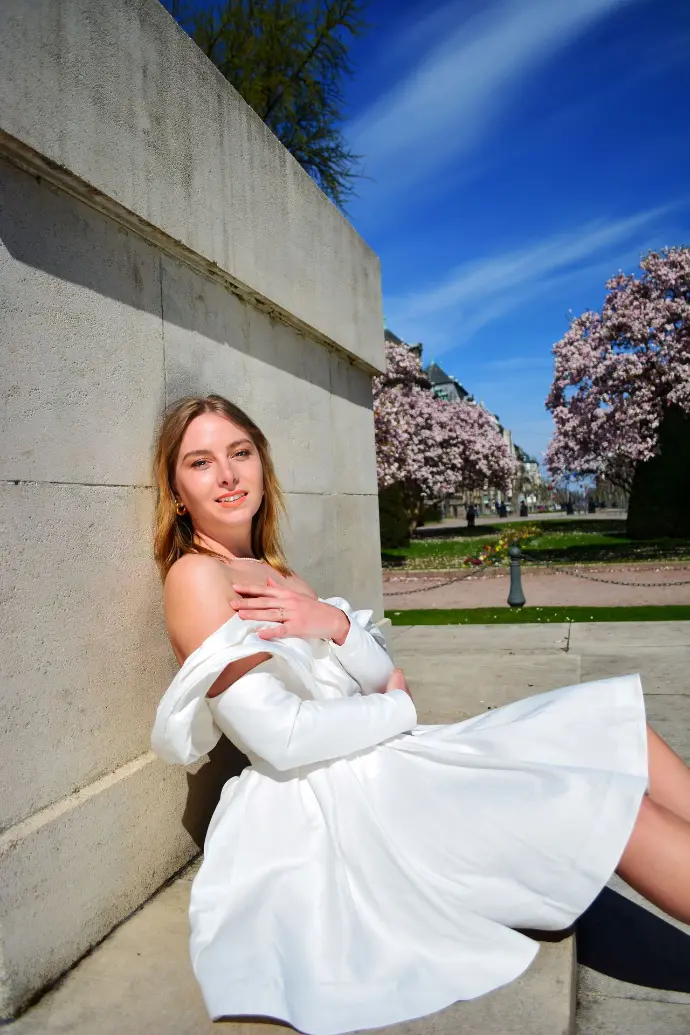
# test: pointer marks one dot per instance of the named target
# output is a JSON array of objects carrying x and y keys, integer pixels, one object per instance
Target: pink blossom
[
  {"x": 616, "y": 371},
  {"x": 431, "y": 446}
]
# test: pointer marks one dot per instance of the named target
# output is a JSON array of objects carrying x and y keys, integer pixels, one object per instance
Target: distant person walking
[
  {"x": 503, "y": 510},
  {"x": 524, "y": 510},
  {"x": 470, "y": 514},
  {"x": 569, "y": 508}
]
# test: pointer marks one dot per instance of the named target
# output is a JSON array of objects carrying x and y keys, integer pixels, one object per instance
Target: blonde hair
[{"x": 174, "y": 534}]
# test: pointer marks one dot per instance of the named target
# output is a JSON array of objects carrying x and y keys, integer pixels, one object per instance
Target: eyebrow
[{"x": 205, "y": 452}]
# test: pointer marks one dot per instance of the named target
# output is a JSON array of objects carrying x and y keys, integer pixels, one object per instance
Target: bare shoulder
[
  {"x": 190, "y": 575},
  {"x": 197, "y": 595},
  {"x": 190, "y": 568}
]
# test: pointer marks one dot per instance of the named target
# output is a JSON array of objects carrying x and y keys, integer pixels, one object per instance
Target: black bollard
[{"x": 516, "y": 598}]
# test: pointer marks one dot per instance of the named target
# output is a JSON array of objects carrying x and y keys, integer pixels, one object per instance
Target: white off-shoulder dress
[{"x": 364, "y": 869}]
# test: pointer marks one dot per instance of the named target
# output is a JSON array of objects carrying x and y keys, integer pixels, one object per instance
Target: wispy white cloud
[
  {"x": 452, "y": 96},
  {"x": 521, "y": 364},
  {"x": 477, "y": 293}
]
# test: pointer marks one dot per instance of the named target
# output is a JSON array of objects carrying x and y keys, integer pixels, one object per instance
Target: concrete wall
[{"x": 155, "y": 240}]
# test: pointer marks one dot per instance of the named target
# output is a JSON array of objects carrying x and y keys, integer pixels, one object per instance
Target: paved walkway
[
  {"x": 542, "y": 587},
  {"x": 138, "y": 981},
  {"x": 634, "y": 974}
]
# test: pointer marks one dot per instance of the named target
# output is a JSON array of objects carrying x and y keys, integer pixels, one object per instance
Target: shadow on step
[{"x": 618, "y": 938}]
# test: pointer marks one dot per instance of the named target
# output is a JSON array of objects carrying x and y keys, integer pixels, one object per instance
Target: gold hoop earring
[{"x": 180, "y": 508}]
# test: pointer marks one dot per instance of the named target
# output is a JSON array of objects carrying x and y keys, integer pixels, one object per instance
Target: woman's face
[{"x": 218, "y": 475}]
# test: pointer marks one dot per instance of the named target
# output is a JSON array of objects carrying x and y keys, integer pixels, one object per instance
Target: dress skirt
[{"x": 361, "y": 891}]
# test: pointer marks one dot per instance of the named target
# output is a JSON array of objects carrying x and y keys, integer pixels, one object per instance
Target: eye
[
  {"x": 243, "y": 452},
  {"x": 197, "y": 463}
]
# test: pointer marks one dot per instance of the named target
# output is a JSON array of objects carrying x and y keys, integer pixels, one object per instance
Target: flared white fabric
[{"x": 366, "y": 870}]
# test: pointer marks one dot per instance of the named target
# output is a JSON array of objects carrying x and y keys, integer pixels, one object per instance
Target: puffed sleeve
[
  {"x": 183, "y": 732},
  {"x": 263, "y": 718},
  {"x": 363, "y": 654}
]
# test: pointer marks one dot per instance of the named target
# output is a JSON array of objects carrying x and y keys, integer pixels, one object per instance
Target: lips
[{"x": 233, "y": 499}]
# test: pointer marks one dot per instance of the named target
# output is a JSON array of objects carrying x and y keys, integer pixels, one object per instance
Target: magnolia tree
[
  {"x": 618, "y": 372},
  {"x": 429, "y": 447}
]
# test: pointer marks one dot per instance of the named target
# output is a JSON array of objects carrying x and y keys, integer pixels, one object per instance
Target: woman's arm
[
  {"x": 363, "y": 653},
  {"x": 196, "y": 604},
  {"x": 354, "y": 640},
  {"x": 260, "y": 715},
  {"x": 256, "y": 710}
]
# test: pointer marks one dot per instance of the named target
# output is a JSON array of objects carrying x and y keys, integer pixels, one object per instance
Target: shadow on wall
[
  {"x": 49, "y": 230},
  {"x": 108, "y": 327},
  {"x": 204, "y": 787}
]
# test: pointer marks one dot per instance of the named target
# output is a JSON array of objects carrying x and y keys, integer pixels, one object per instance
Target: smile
[{"x": 232, "y": 499}]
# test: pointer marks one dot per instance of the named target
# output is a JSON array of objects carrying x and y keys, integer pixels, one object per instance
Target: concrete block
[
  {"x": 616, "y": 637},
  {"x": 605, "y": 1016},
  {"x": 140, "y": 980},
  {"x": 480, "y": 639},
  {"x": 171, "y": 145},
  {"x": 85, "y": 656},
  {"x": 216, "y": 343},
  {"x": 397, "y": 632},
  {"x": 72, "y": 872},
  {"x": 357, "y": 552},
  {"x": 81, "y": 366},
  {"x": 332, "y": 542},
  {"x": 592, "y": 983},
  {"x": 309, "y": 535},
  {"x": 663, "y": 669},
  {"x": 669, "y": 715},
  {"x": 450, "y": 687},
  {"x": 352, "y": 417}
]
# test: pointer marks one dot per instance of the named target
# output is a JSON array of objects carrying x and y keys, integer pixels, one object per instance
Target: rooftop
[{"x": 438, "y": 376}]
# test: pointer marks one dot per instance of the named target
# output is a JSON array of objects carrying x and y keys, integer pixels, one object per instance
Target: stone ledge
[
  {"x": 140, "y": 980},
  {"x": 126, "y": 828}
]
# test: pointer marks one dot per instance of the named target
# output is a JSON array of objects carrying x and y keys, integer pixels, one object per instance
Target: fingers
[
  {"x": 271, "y": 589},
  {"x": 251, "y": 614},
  {"x": 396, "y": 680},
  {"x": 256, "y": 604}
]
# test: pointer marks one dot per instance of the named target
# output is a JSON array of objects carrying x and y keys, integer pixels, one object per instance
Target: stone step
[{"x": 139, "y": 981}]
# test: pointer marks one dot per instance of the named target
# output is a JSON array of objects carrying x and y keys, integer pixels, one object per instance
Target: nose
[{"x": 226, "y": 474}]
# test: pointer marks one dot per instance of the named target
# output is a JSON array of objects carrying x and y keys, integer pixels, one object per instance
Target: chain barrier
[
  {"x": 533, "y": 560},
  {"x": 597, "y": 578},
  {"x": 437, "y": 585}
]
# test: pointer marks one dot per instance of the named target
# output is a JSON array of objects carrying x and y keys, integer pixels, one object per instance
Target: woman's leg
[
  {"x": 669, "y": 777},
  {"x": 656, "y": 861}
]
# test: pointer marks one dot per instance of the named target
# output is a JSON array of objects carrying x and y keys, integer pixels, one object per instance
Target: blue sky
[{"x": 520, "y": 152}]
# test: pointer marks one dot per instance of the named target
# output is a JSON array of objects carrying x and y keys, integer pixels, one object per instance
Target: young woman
[{"x": 364, "y": 869}]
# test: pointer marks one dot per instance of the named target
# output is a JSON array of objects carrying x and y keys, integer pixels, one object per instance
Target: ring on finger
[{"x": 282, "y": 615}]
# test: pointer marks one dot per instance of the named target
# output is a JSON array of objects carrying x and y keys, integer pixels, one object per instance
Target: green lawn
[
  {"x": 523, "y": 615},
  {"x": 563, "y": 542}
]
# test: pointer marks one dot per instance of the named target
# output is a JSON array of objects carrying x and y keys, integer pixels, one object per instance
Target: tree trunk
[
  {"x": 393, "y": 518},
  {"x": 660, "y": 494},
  {"x": 414, "y": 505}
]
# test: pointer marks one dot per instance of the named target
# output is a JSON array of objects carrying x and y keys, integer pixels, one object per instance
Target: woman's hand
[
  {"x": 298, "y": 614},
  {"x": 397, "y": 681}
]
